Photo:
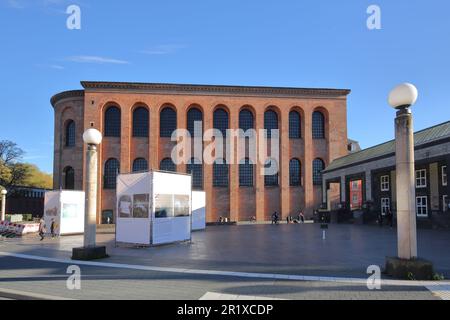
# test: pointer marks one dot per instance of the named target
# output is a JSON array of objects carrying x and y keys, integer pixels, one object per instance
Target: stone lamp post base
[
  {"x": 413, "y": 269},
  {"x": 89, "y": 253}
]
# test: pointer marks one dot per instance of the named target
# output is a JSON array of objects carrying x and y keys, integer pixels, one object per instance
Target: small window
[
  {"x": 112, "y": 122},
  {"x": 318, "y": 166},
  {"x": 112, "y": 169},
  {"x": 270, "y": 122},
  {"x": 167, "y": 165},
  {"x": 318, "y": 125},
  {"x": 271, "y": 173},
  {"x": 384, "y": 183},
  {"x": 140, "y": 122},
  {"x": 194, "y": 118},
  {"x": 245, "y": 173},
  {"x": 245, "y": 120},
  {"x": 444, "y": 203},
  {"x": 70, "y": 134},
  {"x": 69, "y": 178},
  {"x": 421, "y": 178},
  {"x": 220, "y": 173},
  {"x": 422, "y": 206},
  {"x": 295, "y": 173},
  {"x": 140, "y": 164},
  {"x": 167, "y": 122},
  {"x": 385, "y": 205},
  {"x": 444, "y": 175},
  {"x": 195, "y": 168},
  {"x": 294, "y": 125},
  {"x": 220, "y": 121}
]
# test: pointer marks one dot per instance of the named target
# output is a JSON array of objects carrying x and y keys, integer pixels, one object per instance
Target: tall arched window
[
  {"x": 69, "y": 178},
  {"x": 220, "y": 173},
  {"x": 245, "y": 173},
  {"x": 294, "y": 125},
  {"x": 318, "y": 125},
  {"x": 70, "y": 133},
  {"x": 140, "y": 122},
  {"x": 245, "y": 120},
  {"x": 270, "y": 122},
  {"x": 167, "y": 165},
  {"x": 271, "y": 173},
  {"x": 140, "y": 164},
  {"x": 195, "y": 168},
  {"x": 112, "y": 169},
  {"x": 194, "y": 115},
  {"x": 221, "y": 121},
  {"x": 167, "y": 122},
  {"x": 295, "y": 173},
  {"x": 318, "y": 166},
  {"x": 112, "y": 122}
]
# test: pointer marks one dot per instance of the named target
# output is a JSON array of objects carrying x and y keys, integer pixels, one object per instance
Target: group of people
[
  {"x": 389, "y": 218},
  {"x": 43, "y": 228},
  {"x": 289, "y": 219}
]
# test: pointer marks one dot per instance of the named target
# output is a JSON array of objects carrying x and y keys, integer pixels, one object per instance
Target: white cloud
[{"x": 96, "y": 60}]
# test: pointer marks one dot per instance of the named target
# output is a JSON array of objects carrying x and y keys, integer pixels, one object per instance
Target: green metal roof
[{"x": 421, "y": 137}]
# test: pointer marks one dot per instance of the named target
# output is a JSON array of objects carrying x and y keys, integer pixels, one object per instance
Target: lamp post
[
  {"x": 401, "y": 98},
  {"x": 92, "y": 137},
  {"x": 3, "y": 192}
]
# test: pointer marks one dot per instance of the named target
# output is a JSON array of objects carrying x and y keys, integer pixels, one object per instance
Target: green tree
[{"x": 14, "y": 172}]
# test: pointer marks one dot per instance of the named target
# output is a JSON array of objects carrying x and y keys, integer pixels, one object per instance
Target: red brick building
[{"x": 137, "y": 119}]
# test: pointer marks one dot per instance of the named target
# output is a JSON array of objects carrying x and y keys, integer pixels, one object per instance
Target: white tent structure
[
  {"x": 66, "y": 209},
  {"x": 198, "y": 210},
  {"x": 153, "y": 208}
]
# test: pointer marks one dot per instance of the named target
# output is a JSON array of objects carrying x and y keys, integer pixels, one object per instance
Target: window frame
[
  {"x": 246, "y": 180},
  {"x": 421, "y": 181},
  {"x": 292, "y": 134},
  {"x": 70, "y": 137},
  {"x": 112, "y": 129},
  {"x": 171, "y": 120},
  {"x": 107, "y": 179},
  {"x": 422, "y": 206},
  {"x": 141, "y": 126},
  {"x": 316, "y": 135},
  {"x": 385, "y": 182},
  {"x": 444, "y": 180},
  {"x": 294, "y": 183},
  {"x": 385, "y": 203}
]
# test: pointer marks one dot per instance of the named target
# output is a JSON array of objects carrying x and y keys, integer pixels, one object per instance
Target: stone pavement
[{"x": 186, "y": 271}]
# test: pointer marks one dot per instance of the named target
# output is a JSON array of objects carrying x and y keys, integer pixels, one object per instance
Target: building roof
[
  {"x": 198, "y": 89},
  {"x": 387, "y": 149},
  {"x": 213, "y": 89}
]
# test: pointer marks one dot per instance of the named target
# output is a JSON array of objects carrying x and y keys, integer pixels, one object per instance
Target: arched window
[
  {"x": 69, "y": 178},
  {"x": 112, "y": 122},
  {"x": 140, "y": 164},
  {"x": 221, "y": 121},
  {"x": 167, "y": 122},
  {"x": 294, "y": 125},
  {"x": 270, "y": 122},
  {"x": 318, "y": 166},
  {"x": 194, "y": 115},
  {"x": 167, "y": 165},
  {"x": 245, "y": 120},
  {"x": 245, "y": 173},
  {"x": 271, "y": 173},
  {"x": 140, "y": 122},
  {"x": 112, "y": 169},
  {"x": 295, "y": 173},
  {"x": 318, "y": 125},
  {"x": 195, "y": 168},
  {"x": 220, "y": 173},
  {"x": 70, "y": 133}
]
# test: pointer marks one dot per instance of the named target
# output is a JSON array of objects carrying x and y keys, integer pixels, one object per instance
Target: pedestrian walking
[
  {"x": 42, "y": 229},
  {"x": 302, "y": 217},
  {"x": 275, "y": 218}
]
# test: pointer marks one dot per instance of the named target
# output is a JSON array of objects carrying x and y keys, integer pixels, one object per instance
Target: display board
[
  {"x": 198, "y": 210},
  {"x": 66, "y": 209},
  {"x": 153, "y": 208}
]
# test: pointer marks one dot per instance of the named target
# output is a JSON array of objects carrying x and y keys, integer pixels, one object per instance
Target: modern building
[
  {"x": 373, "y": 170},
  {"x": 138, "y": 119}
]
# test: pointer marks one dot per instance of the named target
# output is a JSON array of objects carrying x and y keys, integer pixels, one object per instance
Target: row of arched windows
[
  {"x": 168, "y": 122},
  {"x": 194, "y": 167}
]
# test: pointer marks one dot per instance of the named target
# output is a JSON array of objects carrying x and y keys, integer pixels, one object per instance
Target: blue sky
[{"x": 276, "y": 43}]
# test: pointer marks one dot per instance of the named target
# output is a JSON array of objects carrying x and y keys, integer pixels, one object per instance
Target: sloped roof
[{"x": 435, "y": 133}]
